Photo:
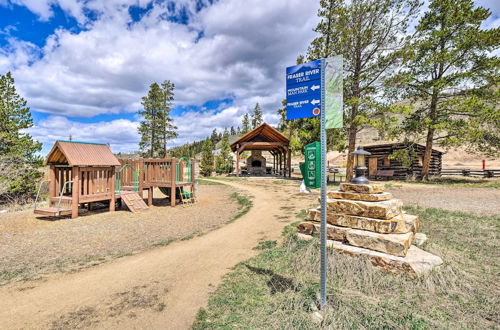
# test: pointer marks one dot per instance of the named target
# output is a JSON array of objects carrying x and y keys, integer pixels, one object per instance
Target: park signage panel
[{"x": 303, "y": 90}]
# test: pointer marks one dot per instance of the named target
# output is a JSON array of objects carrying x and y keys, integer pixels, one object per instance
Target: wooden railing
[{"x": 95, "y": 182}]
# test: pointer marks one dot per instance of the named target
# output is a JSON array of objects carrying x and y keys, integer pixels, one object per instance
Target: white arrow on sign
[
  {"x": 315, "y": 87},
  {"x": 313, "y": 102}
]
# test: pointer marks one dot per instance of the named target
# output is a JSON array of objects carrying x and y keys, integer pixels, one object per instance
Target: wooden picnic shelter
[{"x": 265, "y": 138}]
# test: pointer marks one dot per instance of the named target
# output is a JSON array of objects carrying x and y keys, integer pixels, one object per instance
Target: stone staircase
[{"x": 366, "y": 220}]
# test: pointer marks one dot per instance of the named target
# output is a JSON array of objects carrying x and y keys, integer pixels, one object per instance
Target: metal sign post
[
  {"x": 315, "y": 89},
  {"x": 324, "y": 259}
]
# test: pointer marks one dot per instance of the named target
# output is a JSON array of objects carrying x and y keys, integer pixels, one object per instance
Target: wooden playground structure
[{"x": 82, "y": 173}]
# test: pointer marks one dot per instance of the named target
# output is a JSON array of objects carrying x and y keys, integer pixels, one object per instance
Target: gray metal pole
[{"x": 323, "y": 191}]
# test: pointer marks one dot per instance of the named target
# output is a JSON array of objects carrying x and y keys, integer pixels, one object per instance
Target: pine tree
[
  {"x": 156, "y": 128},
  {"x": 18, "y": 160},
  {"x": 223, "y": 162},
  {"x": 245, "y": 124},
  {"x": 368, "y": 34},
  {"x": 207, "y": 158},
  {"x": 256, "y": 116},
  {"x": 232, "y": 131},
  {"x": 451, "y": 79},
  {"x": 214, "y": 137}
]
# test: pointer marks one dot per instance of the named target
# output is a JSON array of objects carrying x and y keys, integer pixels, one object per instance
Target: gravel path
[{"x": 30, "y": 246}]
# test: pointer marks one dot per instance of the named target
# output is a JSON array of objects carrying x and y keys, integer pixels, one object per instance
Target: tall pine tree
[
  {"x": 256, "y": 116},
  {"x": 224, "y": 161},
  {"x": 368, "y": 34},
  {"x": 451, "y": 79},
  {"x": 19, "y": 162},
  {"x": 245, "y": 128},
  {"x": 157, "y": 128},
  {"x": 207, "y": 158}
]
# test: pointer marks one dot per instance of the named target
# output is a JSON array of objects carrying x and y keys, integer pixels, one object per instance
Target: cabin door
[{"x": 372, "y": 166}]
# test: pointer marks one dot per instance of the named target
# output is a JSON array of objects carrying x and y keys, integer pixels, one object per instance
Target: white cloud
[
  {"x": 121, "y": 134},
  {"x": 107, "y": 67}
]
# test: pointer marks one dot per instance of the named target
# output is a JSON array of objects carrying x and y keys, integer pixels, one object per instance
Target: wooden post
[
  {"x": 173, "y": 175},
  {"x": 285, "y": 162},
  {"x": 112, "y": 188},
  {"x": 75, "y": 192},
  {"x": 289, "y": 163},
  {"x": 150, "y": 196},
  {"x": 193, "y": 177},
  {"x": 141, "y": 177},
  {"x": 237, "y": 160},
  {"x": 52, "y": 183}
]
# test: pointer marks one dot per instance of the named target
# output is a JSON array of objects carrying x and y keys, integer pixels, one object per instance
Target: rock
[
  {"x": 380, "y": 210},
  {"x": 3, "y": 211},
  {"x": 403, "y": 223},
  {"x": 417, "y": 261},
  {"x": 362, "y": 188},
  {"x": 360, "y": 197},
  {"x": 420, "y": 239},
  {"x": 332, "y": 232},
  {"x": 316, "y": 317},
  {"x": 394, "y": 244}
]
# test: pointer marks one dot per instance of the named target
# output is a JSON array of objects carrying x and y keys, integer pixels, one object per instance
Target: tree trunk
[
  {"x": 428, "y": 154},
  {"x": 430, "y": 136}
]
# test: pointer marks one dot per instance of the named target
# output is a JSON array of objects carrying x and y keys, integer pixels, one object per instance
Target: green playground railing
[
  {"x": 186, "y": 170},
  {"x": 118, "y": 180}
]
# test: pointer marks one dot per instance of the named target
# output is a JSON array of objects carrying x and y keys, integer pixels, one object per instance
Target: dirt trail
[{"x": 161, "y": 288}]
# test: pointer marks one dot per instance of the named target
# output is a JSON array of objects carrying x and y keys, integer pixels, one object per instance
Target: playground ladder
[{"x": 134, "y": 202}]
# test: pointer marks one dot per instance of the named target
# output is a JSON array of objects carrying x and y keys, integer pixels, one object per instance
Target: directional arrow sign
[{"x": 303, "y": 90}]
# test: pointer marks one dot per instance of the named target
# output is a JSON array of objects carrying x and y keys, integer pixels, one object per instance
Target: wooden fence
[{"x": 471, "y": 173}]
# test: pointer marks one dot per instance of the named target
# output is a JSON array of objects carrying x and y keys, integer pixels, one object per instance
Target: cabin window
[
  {"x": 420, "y": 160},
  {"x": 387, "y": 161}
]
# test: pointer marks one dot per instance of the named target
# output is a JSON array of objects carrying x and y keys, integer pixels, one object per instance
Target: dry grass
[
  {"x": 31, "y": 247},
  {"x": 277, "y": 289}
]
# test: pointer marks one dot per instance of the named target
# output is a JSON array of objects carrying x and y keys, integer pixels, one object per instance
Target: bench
[{"x": 384, "y": 174}]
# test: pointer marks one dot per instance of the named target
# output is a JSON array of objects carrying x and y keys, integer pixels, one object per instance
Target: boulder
[
  {"x": 420, "y": 239},
  {"x": 379, "y": 210},
  {"x": 332, "y": 232},
  {"x": 337, "y": 194},
  {"x": 416, "y": 261},
  {"x": 394, "y": 244},
  {"x": 403, "y": 223},
  {"x": 362, "y": 188}
]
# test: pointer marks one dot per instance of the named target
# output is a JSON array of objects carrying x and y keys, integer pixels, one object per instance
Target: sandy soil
[
  {"x": 162, "y": 288},
  {"x": 31, "y": 246},
  {"x": 471, "y": 200}
]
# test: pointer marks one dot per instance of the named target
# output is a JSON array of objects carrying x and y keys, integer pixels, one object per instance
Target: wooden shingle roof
[
  {"x": 263, "y": 137},
  {"x": 75, "y": 153}
]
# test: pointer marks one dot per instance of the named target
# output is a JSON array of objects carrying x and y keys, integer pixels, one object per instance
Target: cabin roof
[
  {"x": 396, "y": 145},
  {"x": 75, "y": 153},
  {"x": 263, "y": 137}
]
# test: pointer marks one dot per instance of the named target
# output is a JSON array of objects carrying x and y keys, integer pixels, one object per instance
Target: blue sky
[{"x": 83, "y": 65}]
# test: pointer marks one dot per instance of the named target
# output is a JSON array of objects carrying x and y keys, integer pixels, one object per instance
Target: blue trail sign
[{"x": 303, "y": 90}]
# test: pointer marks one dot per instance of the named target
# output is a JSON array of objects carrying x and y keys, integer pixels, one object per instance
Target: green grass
[
  {"x": 277, "y": 288},
  {"x": 460, "y": 182},
  {"x": 264, "y": 245},
  {"x": 163, "y": 243},
  {"x": 244, "y": 202},
  {"x": 208, "y": 183}
]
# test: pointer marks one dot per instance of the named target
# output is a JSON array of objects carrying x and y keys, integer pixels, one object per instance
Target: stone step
[
  {"x": 400, "y": 224},
  {"x": 362, "y": 188},
  {"x": 416, "y": 261},
  {"x": 379, "y": 210},
  {"x": 338, "y": 194},
  {"x": 394, "y": 244}
]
